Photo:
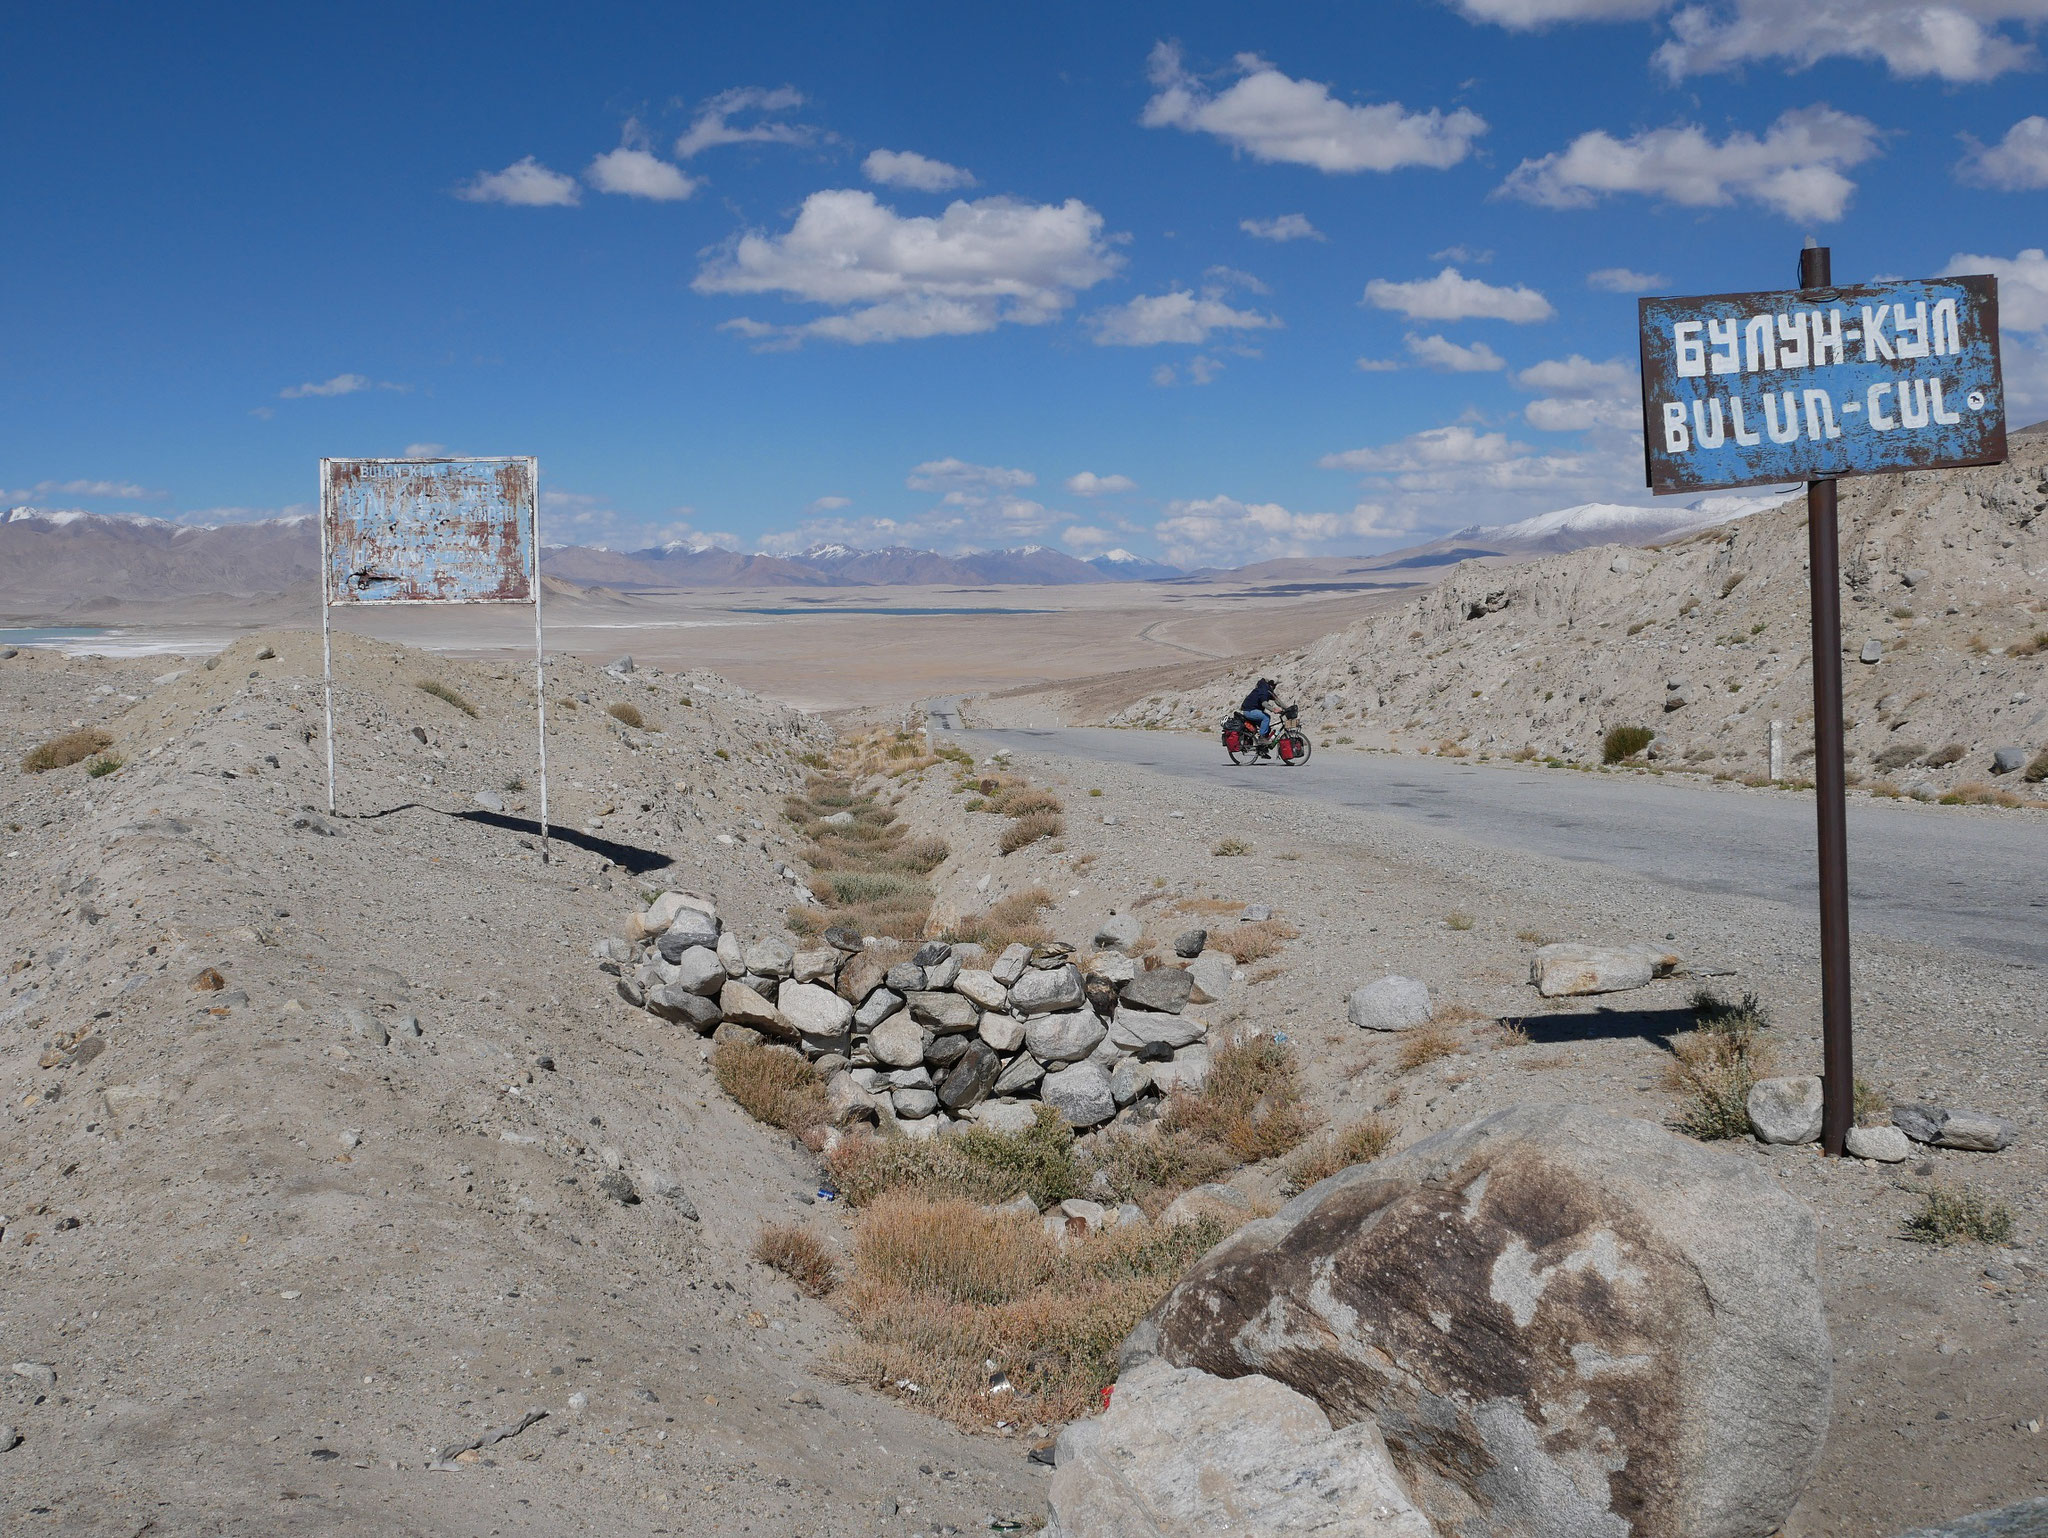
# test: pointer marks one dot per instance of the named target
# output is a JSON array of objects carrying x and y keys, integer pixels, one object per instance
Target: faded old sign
[
  {"x": 1810, "y": 384},
  {"x": 428, "y": 530}
]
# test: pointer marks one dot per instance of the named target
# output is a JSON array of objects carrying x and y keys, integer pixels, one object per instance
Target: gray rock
[
  {"x": 771, "y": 958},
  {"x": 1039, "y": 992},
  {"x": 1887, "y": 1145},
  {"x": 1188, "y": 1070},
  {"x": 1918, "y": 1120},
  {"x": 1188, "y": 945},
  {"x": 406, "y": 1028},
  {"x": 972, "y": 1077},
  {"x": 2027, "y": 1519},
  {"x": 616, "y": 1185},
  {"x": 843, "y": 939},
  {"x": 740, "y": 1005},
  {"x": 814, "y": 966},
  {"x": 849, "y": 1102},
  {"x": 623, "y": 665},
  {"x": 671, "y": 1002},
  {"x": 906, "y": 977},
  {"x": 490, "y": 801},
  {"x": 1571, "y": 969},
  {"x": 10, "y": 1436},
  {"x": 932, "y": 952},
  {"x": 2008, "y": 760},
  {"x": 1181, "y": 1453},
  {"x": 1163, "y": 988},
  {"x": 919, "y": 1077},
  {"x": 1129, "y": 1079},
  {"x": 1064, "y": 1038},
  {"x": 1976, "y": 1132},
  {"x": 1785, "y": 1111},
  {"x": 732, "y": 955},
  {"x": 897, "y": 1042},
  {"x": 1023, "y": 1072},
  {"x": 943, "y": 1051},
  {"x": 913, "y": 1104},
  {"x": 1119, "y": 932},
  {"x": 1225, "y": 1203},
  {"x": 689, "y": 928},
  {"x": 368, "y": 1027},
  {"x": 1006, "y": 1116},
  {"x": 732, "y": 1033},
  {"x": 838, "y": 820},
  {"x": 982, "y": 987},
  {"x": 944, "y": 1012},
  {"x": 632, "y": 992},
  {"x": 1080, "y": 1093},
  {"x": 1255, "y": 913},
  {"x": 942, "y": 974},
  {"x": 818, "y": 1013},
  {"x": 697, "y": 970},
  {"x": 1211, "y": 975},
  {"x": 1391, "y": 1004},
  {"x": 1113, "y": 967},
  {"x": 41, "y": 1374},
  {"x": 1011, "y": 964},
  {"x": 1873, "y": 651},
  {"x": 1107, "y": 1053},
  {"x": 1915, "y": 576},
  {"x": 880, "y": 1005},
  {"x": 1154, "y": 1035},
  {"x": 1005, "y": 1033},
  {"x": 1508, "y": 1296}
]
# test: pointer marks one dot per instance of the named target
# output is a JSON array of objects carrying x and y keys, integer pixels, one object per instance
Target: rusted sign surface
[
  {"x": 429, "y": 530},
  {"x": 1810, "y": 384}
]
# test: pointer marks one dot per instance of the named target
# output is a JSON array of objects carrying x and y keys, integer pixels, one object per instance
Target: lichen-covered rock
[
  {"x": 898, "y": 1041},
  {"x": 1391, "y": 1004},
  {"x": 1162, "y": 988},
  {"x": 1080, "y": 1093},
  {"x": 944, "y": 1012},
  {"x": 1569, "y": 969},
  {"x": 1040, "y": 991},
  {"x": 1786, "y": 1111},
  {"x": 1141, "y": 1031},
  {"x": 1565, "y": 1322},
  {"x": 1065, "y": 1038}
]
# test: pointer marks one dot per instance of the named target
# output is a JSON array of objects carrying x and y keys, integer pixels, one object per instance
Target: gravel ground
[
  {"x": 272, "y": 1265},
  {"x": 1940, "y": 1387}
]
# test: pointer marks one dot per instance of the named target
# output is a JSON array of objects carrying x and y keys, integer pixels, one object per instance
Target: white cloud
[
  {"x": 425, "y": 451},
  {"x": 1087, "y": 483},
  {"x": 1379, "y": 365},
  {"x": 1458, "y": 475},
  {"x": 1477, "y": 258},
  {"x": 1526, "y": 15},
  {"x": 1578, "y": 393},
  {"x": 1450, "y": 295},
  {"x": 1175, "y": 316},
  {"x": 1953, "y": 40},
  {"x": 1271, "y": 117},
  {"x": 1235, "y": 277},
  {"x": 1431, "y": 449},
  {"x": 1198, "y": 370},
  {"x": 125, "y": 491},
  {"x": 954, "y": 476},
  {"x": 1439, "y": 353},
  {"x": 525, "y": 183},
  {"x": 1222, "y": 530},
  {"x": 2022, "y": 286},
  {"x": 1795, "y": 168},
  {"x": 1625, "y": 280},
  {"x": 1087, "y": 539},
  {"x": 970, "y": 269},
  {"x": 907, "y": 168},
  {"x": 340, "y": 384},
  {"x": 978, "y": 506},
  {"x": 2025, "y": 368},
  {"x": 637, "y": 174},
  {"x": 713, "y": 124},
  {"x": 829, "y": 504},
  {"x": 581, "y": 518},
  {"x": 1285, "y": 227},
  {"x": 2017, "y": 163}
]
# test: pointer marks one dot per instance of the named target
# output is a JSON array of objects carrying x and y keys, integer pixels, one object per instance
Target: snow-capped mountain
[
  {"x": 1602, "y": 523},
  {"x": 1122, "y": 566},
  {"x": 49, "y": 558}
]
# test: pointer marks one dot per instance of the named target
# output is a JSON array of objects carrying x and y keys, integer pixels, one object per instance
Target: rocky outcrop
[{"x": 1563, "y": 1322}]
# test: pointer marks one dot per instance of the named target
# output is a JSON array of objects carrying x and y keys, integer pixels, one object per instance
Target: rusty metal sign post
[
  {"x": 431, "y": 531},
  {"x": 1809, "y": 385}
]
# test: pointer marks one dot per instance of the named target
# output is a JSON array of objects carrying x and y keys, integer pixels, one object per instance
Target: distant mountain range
[{"x": 50, "y": 559}]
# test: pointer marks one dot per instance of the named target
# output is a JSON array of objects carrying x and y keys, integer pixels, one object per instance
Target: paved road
[{"x": 1917, "y": 873}]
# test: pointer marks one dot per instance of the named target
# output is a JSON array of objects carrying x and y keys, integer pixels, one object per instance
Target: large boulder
[
  {"x": 1065, "y": 1038},
  {"x": 1565, "y": 1322},
  {"x": 1023, "y": 1071},
  {"x": 698, "y": 970},
  {"x": 1040, "y": 991},
  {"x": 944, "y": 1012},
  {"x": 862, "y": 975},
  {"x": 982, "y": 987},
  {"x": 1119, "y": 932},
  {"x": 1211, "y": 973},
  {"x": 898, "y": 1042},
  {"x": 971, "y": 1078},
  {"x": 743, "y": 1006},
  {"x": 1181, "y": 1453},
  {"x": 663, "y": 911},
  {"x": 819, "y": 1013},
  {"x": 673, "y": 1002},
  {"x": 1785, "y": 1111},
  {"x": 1162, "y": 988},
  {"x": 1391, "y": 1004},
  {"x": 1141, "y": 1031},
  {"x": 1571, "y": 969},
  {"x": 1080, "y": 1093},
  {"x": 689, "y": 928},
  {"x": 1003, "y": 1032}
]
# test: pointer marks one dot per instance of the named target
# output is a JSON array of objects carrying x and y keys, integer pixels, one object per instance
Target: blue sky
[{"x": 1211, "y": 282}]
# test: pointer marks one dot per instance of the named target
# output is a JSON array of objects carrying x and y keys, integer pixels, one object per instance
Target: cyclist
[{"x": 1263, "y": 694}]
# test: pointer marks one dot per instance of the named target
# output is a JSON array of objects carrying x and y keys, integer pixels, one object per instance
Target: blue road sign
[
  {"x": 428, "y": 530},
  {"x": 1810, "y": 384}
]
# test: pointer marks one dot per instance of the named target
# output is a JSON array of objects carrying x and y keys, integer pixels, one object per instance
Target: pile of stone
[
  {"x": 1787, "y": 1111},
  {"x": 922, "y": 1038}
]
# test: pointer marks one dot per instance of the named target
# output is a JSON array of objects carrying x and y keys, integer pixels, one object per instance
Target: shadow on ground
[{"x": 1655, "y": 1025}]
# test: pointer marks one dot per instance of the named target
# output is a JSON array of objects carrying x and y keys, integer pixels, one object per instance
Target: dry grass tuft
[
  {"x": 771, "y": 1084},
  {"x": 1953, "y": 1214},
  {"x": 1011, "y": 920},
  {"x": 105, "y": 765},
  {"x": 1714, "y": 1067},
  {"x": 62, "y": 751},
  {"x": 1230, "y": 848},
  {"x": 939, "y": 1289},
  {"x": 1510, "y": 1035},
  {"x": 445, "y": 695},
  {"x": 1459, "y": 919},
  {"x": 799, "y": 1255},
  {"x": 1426, "y": 1044},
  {"x": 1247, "y": 943},
  {"x": 1250, "y": 1104},
  {"x": 1152, "y": 1167},
  {"x": 975, "y": 1165},
  {"x": 1360, "y": 1143},
  {"x": 1534, "y": 937},
  {"x": 1029, "y": 829},
  {"x": 626, "y": 714}
]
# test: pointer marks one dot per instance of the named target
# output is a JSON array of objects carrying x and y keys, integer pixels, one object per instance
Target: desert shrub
[
  {"x": 1952, "y": 1214},
  {"x": 1732, "y": 582},
  {"x": 975, "y": 1165},
  {"x": 1623, "y": 743},
  {"x": 1898, "y": 755},
  {"x": 66, "y": 749},
  {"x": 626, "y": 714},
  {"x": 1458, "y": 919},
  {"x": 445, "y": 695},
  {"x": 1151, "y": 1167},
  {"x": 1977, "y": 793},
  {"x": 1941, "y": 758},
  {"x": 1250, "y": 1105},
  {"x": 1715, "y": 1066},
  {"x": 952, "y": 1249},
  {"x": 1029, "y": 829},
  {"x": 105, "y": 765},
  {"x": 1023, "y": 800},
  {"x": 1533, "y": 937},
  {"x": 799, "y": 1255},
  {"x": 1869, "y": 1105},
  {"x": 1246, "y": 943},
  {"x": 771, "y": 1084},
  {"x": 2037, "y": 770},
  {"x": 1231, "y": 848},
  {"x": 1359, "y": 1143},
  {"x": 1426, "y": 1044},
  {"x": 1007, "y": 921}
]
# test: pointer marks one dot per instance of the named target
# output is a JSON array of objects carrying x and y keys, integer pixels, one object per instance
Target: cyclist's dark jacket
[{"x": 1259, "y": 697}]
